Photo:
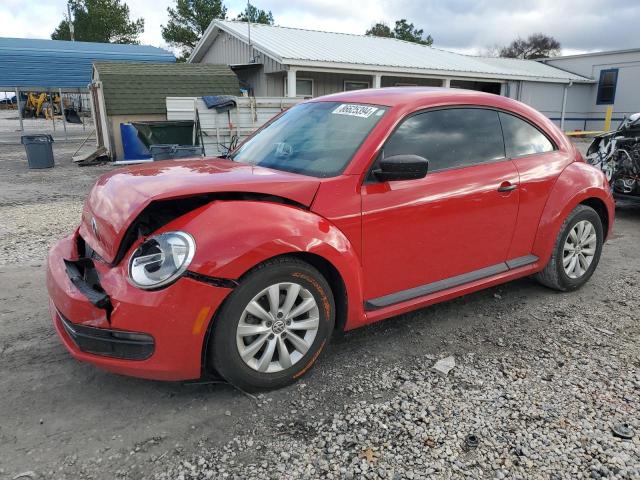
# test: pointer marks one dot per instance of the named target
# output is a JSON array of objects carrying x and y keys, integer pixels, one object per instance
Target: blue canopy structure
[{"x": 36, "y": 64}]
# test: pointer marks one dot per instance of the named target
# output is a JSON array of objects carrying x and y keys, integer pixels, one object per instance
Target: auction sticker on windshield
[{"x": 362, "y": 111}]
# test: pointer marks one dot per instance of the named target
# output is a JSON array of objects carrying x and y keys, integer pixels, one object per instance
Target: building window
[
  {"x": 304, "y": 87},
  {"x": 402, "y": 84},
  {"x": 354, "y": 85},
  {"x": 607, "y": 86}
]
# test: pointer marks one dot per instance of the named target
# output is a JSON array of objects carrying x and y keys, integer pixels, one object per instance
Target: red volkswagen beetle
[{"x": 342, "y": 211}]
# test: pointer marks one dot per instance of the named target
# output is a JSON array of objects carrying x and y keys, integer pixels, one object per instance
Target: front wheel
[
  {"x": 273, "y": 326},
  {"x": 576, "y": 252}
]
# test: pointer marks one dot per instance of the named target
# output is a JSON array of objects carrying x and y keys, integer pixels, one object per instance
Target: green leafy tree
[
  {"x": 402, "y": 31},
  {"x": 380, "y": 29},
  {"x": 406, "y": 31},
  {"x": 256, "y": 15},
  {"x": 535, "y": 46},
  {"x": 104, "y": 21},
  {"x": 188, "y": 22}
]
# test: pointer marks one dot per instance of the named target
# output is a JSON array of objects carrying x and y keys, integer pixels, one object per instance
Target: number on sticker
[{"x": 362, "y": 111}]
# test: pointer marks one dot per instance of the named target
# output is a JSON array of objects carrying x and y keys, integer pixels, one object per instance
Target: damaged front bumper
[
  {"x": 104, "y": 320},
  {"x": 107, "y": 342}
]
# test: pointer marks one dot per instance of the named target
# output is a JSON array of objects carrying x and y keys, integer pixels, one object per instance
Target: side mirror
[{"x": 402, "y": 167}]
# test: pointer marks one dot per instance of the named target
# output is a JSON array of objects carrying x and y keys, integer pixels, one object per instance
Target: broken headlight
[{"x": 161, "y": 259}]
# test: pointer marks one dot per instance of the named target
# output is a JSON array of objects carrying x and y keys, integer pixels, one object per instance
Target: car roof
[
  {"x": 406, "y": 100},
  {"x": 422, "y": 96},
  {"x": 409, "y": 99}
]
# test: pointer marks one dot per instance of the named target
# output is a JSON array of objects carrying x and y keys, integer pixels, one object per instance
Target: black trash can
[{"x": 39, "y": 150}]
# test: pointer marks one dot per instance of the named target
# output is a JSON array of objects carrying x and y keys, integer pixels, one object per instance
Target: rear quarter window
[{"x": 522, "y": 138}]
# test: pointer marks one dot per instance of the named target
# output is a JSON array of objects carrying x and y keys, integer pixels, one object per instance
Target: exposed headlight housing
[{"x": 161, "y": 260}]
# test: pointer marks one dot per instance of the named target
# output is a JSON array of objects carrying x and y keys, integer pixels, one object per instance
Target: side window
[
  {"x": 607, "y": 87},
  {"x": 522, "y": 138},
  {"x": 350, "y": 85},
  {"x": 449, "y": 138},
  {"x": 304, "y": 87}
]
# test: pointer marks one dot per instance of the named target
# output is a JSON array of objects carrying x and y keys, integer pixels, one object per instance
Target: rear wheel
[
  {"x": 576, "y": 252},
  {"x": 273, "y": 326}
]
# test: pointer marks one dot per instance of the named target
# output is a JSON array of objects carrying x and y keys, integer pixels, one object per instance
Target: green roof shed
[{"x": 142, "y": 88}]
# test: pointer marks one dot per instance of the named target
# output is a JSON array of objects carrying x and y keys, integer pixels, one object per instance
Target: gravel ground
[
  {"x": 540, "y": 379},
  {"x": 21, "y": 232},
  {"x": 40, "y": 206},
  {"x": 541, "y": 402},
  {"x": 10, "y": 128}
]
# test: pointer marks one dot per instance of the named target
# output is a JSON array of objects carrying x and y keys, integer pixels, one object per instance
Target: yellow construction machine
[{"x": 42, "y": 104}]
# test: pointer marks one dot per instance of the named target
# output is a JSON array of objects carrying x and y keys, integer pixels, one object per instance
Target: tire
[
  {"x": 234, "y": 321},
  {"x": 555, "y": 275}
]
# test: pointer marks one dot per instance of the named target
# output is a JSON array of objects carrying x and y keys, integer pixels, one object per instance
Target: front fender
[
  {"x": 234, "y": 236},
  {"x": 577, "y": 183}
]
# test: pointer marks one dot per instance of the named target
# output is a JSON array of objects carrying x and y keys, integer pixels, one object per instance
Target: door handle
[{"x": 507, "y": 187}]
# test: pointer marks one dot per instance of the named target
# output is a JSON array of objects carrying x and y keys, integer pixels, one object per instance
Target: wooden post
[
  {"x": 195, "y": 120},
  {"x": 291, "y": 83}
]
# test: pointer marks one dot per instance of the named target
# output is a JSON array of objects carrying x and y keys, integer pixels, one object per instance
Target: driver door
[{"x": 455, "y": 224}]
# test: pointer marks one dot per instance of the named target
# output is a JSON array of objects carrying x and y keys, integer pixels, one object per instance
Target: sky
[{"x": 465, "y": 26}]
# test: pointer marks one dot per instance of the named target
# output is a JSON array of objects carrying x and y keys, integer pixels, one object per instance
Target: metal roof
[
  {"x": 311, "y": 48},
  {"x": 41, "y": 64},
  {"x": 142, "y": 88},
  {"x": 592, "y": 54}
]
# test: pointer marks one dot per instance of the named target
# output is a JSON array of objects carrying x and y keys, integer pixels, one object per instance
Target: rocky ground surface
[
  {"x": 541, "y": 380},
  {"x": 535, "y": 394}
]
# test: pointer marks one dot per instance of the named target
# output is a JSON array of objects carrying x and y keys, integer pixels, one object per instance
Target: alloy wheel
[
  {"x": 579, "y": 249},
  {"x": 277, "y": 327}
]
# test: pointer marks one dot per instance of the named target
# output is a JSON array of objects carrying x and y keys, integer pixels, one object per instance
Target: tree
[
  {"x": 104, "y": 21},
  {"x": 492, "y": 51},
  {"x": 537, "y": 45},
  {"x": 406, "y": 31},
  {"x": 402, "y": 31},
  {"x": 255, "y": 15},
  {"x": 380, "y": 29},
  {"x": 188, "y": 22}
]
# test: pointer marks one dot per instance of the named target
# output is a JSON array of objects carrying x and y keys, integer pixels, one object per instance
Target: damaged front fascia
[
  {"x": 84, "y": 277},
  {"x": 161, "y": 212},
  {"x": 215, "y": 281}
]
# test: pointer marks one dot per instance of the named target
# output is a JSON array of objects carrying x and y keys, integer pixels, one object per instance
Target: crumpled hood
[{"x": 120, "y": 196}]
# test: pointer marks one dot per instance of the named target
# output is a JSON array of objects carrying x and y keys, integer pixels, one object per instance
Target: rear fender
[
  {"x": 232, "y": 237},
  {"x": 576, "y": 184}
]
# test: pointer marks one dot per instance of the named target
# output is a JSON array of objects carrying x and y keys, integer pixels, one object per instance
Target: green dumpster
[{"x": 178, "y": 132}]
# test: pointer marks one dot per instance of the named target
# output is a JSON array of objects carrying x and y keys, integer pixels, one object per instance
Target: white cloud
[
  {"x": 468, "y": 26},
  {"x": 30, "y": 18}
]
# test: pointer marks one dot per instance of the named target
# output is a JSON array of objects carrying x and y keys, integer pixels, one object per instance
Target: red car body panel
[
  {"x": 381, "y": 238},
  {"x": 444, "y": 212},
  {"x": 278, "y": 230},
  {"x": 178, "y": 315},
  {"x": 578, "y": 182},
  {"x": 122, "y": 194}
]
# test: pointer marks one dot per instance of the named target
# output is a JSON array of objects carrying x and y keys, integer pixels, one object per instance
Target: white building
[
  {"x": 279, "y": 61},
  {"x": 616, "y": 76}
]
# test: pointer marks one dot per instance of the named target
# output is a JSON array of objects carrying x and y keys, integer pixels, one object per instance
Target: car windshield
[{"x": 316, "y": 138}]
